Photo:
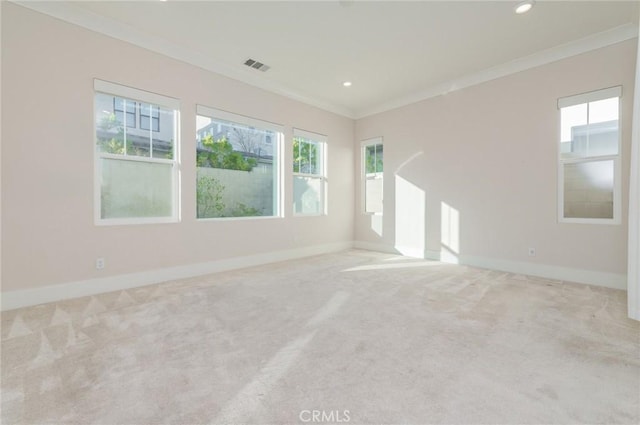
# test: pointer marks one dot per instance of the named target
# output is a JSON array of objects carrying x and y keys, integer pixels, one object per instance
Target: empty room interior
[{"x": 230, "y": 212}]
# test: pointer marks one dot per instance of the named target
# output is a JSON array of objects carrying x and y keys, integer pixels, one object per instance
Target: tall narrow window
[
  {"x": 309, "y": 177},
  {"x": 238, "y": 165},
  {"x": 136, "y": 170},
  {"x": 589, "y": 157},
  {"x": 372, "y": 166}
]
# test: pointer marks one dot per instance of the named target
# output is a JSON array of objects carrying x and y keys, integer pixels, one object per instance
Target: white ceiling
[{"x": 393, "y": 52}]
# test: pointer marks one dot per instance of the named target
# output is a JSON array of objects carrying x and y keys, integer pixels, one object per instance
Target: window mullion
[
  {"x": 588, "y": 137},
  {"x": 150, "y": 131},
  {"x": 588, "y": 159},
  {"x": 125, "y": 126}
]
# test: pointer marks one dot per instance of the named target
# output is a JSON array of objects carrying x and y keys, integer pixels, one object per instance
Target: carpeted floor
[{"x": 356, "y": 337}]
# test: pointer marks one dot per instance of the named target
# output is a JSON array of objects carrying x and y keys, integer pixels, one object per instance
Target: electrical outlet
[
  {"x": 532, "y": 252},
  {"x": 99, "y": 263}
]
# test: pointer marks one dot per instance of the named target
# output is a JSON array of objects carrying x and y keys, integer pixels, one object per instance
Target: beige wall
[
  {"x": 489, "y": 152},
  {"x": 49, "y": 236},
  {"x": 469, "y": 174}
]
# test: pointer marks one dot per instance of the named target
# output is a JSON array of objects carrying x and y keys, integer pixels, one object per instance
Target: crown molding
[
  {"x": 67, "y": 12},
  {"x": 563, "y": 51}
]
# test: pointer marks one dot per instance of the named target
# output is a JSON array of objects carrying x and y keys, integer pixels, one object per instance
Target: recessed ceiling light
[
  {"x": 524, "y": 6},
  {"x": 347, "y": 84}
]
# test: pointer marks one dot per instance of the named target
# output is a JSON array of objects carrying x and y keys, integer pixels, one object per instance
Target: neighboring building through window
[
  {"x": 136, "y": 170},
  {"x": 372, "y": 166},
  {"x": 238, "y": 163},
  {"x": 125, "y": 111},
  {"x": 309, "y": 176},
  {"x": 149, "y": 117},
  {"x": 589, "y": 157}
]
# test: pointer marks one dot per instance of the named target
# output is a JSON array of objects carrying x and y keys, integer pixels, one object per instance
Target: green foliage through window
[
  {"x": 237, "y": 166},
  {"x": 373, "y": 158},
  {"x": 305, "y": 156},
  {"x": 220, "y": 154},
  {"x": 210, "y": 198},
  {"x": 209, "y": 192}
]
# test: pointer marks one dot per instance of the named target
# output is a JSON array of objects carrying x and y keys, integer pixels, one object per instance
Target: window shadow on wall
[
  {"x": 410, "y": 208},
  {"x": 449, "y": 233}
]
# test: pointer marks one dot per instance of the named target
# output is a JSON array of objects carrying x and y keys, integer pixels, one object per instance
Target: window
[
  {"x": 238, "y": 165},
  {"x": 121, "y": 105},
  {"x": 372, "y": 166},
  {"x": 136, "y": 170},
  {"x": 589, "y": 157},
  {"x": 149, "y": 117},
  {"x": 309, "y": 176}
]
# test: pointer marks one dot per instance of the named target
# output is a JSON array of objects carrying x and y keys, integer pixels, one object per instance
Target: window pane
[
  {"x": 602, "y": 139},
  {"x": 314, "y": 158},
  {"x": 149, "y": 117},
  {"x": 120, "y": 106},
  {"x": 373, "y": 195},
  {"x": 571, "y": 118},
  {"x": 135, "y": 189},
  {"x": 296, "y": 154},
  {"x": 145, "y": 109},
  {"x": 598, "y": 137},
  {"x": 378, "y": 158},
  {"x": 163, "y": 140},
  {"x": 588, "y": 189},
  {"x": 116, "y": 131},
  {"x": 370, "y": 159},
  {"x": 131, "y": 107},
  {"x": 603, "y": 127},
  {"x": 237, "y": 170},
  {"x": 306, "y": 156},
  {"x": 603, "y": 110},
  {"x": 131, "y": 119},
  {"x": 111, "y": 133},
  {"x": 373, "y": 159},
  {"x": 308, "y": 191},
  {"x": 307, "y": 195},
  {"x": 144, "y": 122}
]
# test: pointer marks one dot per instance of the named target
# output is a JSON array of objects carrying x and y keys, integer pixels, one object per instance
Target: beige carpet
[{"x": 359, "y": 336}]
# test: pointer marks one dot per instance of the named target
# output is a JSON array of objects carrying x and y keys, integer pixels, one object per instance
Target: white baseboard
[
  {"x": 28, "y": 297},
  {"x": 589, "y": 277},
  {"x": 373, "y": 246}
]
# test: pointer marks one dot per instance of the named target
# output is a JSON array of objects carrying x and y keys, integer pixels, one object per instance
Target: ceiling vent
[{"x": 251, "y": 63}]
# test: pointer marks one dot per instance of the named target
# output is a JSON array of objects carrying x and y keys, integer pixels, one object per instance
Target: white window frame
[
  {"x": 106, "y": 87},
  {"x": 321, "y": 142},
  {"x": 369, "y": 176},
  {"x": 278, "y": 129},
  {"x": 578, "y": 99}
]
